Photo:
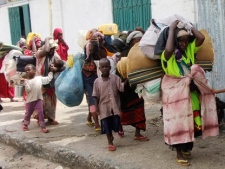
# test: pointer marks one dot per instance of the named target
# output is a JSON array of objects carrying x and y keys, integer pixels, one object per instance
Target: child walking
[
  {"x": 34, "y": 99},
  {"x": 106, "y": 92}
]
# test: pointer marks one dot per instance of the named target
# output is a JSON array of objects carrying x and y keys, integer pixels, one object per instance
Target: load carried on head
[{"x": 143, "y": 60}]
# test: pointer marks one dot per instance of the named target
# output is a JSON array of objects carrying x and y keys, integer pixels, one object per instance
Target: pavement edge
[{"x": 54, "y": 153}]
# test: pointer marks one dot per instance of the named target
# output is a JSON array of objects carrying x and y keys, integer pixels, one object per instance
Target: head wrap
[
  {"x": 22, "y": 43},
  {"x": 133, "y": 35},
  {"x": 56, "y": 32},
  {"x": 118, "y": 44},
  {"x": 36, "y": 39},
  {"x": 182, "y": 33}
]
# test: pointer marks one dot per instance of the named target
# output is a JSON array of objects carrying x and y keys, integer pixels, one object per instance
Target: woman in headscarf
[
  {"x": 89, "y": 73},
  {"x": 132, "y": 107},
  {"x": 62, "y": 45},
  {"x": 189, "y": 107},
  {"x": 46, "y": 55},
  {"x": 5, "y": 90}
]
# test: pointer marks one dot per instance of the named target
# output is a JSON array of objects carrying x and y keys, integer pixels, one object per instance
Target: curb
[{"x": 55, "y": 153}]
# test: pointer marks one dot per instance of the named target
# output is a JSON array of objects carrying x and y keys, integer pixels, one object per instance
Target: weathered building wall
[
  {"x": 211, "y": 16},
  {"x": 70, "y": 15},
  {"x": 185, "y": 8}
]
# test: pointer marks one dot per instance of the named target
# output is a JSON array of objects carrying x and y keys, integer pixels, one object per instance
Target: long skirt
[
  {"x": 132, "y": 109},
  {"x": 5, "y": 90}
]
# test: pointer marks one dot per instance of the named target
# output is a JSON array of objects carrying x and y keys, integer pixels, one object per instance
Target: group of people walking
[{"x": 188, "y": 102}]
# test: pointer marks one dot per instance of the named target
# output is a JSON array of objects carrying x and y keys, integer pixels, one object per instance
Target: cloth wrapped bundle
[
  {"x": 137, "y": 60},
  {"x": 150, "y": 91},
  {"x": 205, "y": 65},
  {"x": 122, "y": 67},
  {"x": 5, "y": 48},
  {"x": 69, "y": 87},
  {"x": 9, "y": 67},
  {"x": 145, "y": 75},
  {"x": 206, "y": 52}
]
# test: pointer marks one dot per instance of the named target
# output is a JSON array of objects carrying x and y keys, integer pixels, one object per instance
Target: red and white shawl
[{"x": 177, "y": 107}]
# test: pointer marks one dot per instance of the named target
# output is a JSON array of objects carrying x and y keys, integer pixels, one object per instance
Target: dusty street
[
  {"x": 11, "y": 158},
  {"x": 72, "y": 143}
]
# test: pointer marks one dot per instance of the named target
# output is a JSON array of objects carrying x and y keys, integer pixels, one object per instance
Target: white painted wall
[
  {"x": 70, "y": 15},
  {"x": 75, "y": 15},
  {"x": 5, "y": 35},
  {"x": 185, "y": 8}
]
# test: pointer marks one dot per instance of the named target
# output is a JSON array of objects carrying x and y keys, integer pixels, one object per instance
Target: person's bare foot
[{"x": 13, "y": 100}]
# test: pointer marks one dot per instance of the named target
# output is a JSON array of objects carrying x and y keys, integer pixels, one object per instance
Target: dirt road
[{"x": 10, "y": 158}]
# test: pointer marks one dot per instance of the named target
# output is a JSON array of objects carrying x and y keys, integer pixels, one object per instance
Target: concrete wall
[
  {"x": 70, "y": 15},
  {"x": 185, "y": 8},
  {"x": 75, "y": 15}
]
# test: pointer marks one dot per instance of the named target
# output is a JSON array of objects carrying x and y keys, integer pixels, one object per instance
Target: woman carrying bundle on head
[{"x": 189, "y": 108}]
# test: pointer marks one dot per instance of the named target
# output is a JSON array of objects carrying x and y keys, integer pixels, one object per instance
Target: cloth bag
[
  {"x": 22, "y": 61},
  {"x": 69, "y": 87},
  {"x": 150, "y": 91}
]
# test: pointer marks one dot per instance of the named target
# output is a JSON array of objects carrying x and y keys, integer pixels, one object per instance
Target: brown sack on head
[
  {"x": 137, "y": 60},
  {"x": 206, "y": 52},
  {"x": 122, "y": 67}
]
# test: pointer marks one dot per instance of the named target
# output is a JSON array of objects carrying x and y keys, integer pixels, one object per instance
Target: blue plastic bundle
[{"x": 69, "y": 87}]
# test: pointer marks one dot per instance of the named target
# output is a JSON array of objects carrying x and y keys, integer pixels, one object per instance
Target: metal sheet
[{"x": 211, "y": 16}]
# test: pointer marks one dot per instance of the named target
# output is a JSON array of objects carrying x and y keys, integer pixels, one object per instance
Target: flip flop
[
  {"x": 44, "y": 130},
  {"x": 121, "y": 134},
  {"x": 90, "y": 124},
  {"x": 25, "y": 128},
  {"x": 183, "y": 162},
  {"x": 53, "y": 123},
  {"x": 97, "y": 129},
  {"x": 186, "y": 154},
  {"x": 111, "y": 148},
  {"x": 141, "y": 138}
]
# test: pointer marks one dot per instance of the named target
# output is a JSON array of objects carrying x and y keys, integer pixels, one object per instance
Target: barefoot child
[
  {"x": 106, "y": 92},
  {"x": 34, "y": 99}
]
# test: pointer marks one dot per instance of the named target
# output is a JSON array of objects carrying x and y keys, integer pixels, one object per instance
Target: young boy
[
  {"x": 106, "y": 92},
  {"x": 33, "y": 85}
]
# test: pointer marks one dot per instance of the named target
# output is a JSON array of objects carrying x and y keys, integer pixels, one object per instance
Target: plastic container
[{"x": 108, "y": 29}]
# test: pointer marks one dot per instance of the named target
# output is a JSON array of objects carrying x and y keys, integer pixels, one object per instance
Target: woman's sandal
[
  {"x": 44, "y": 130},
  {"x": 25, "y": 128},
  {"x": 186, "y": 154},
  {"x": 53, "y": 123},
  {"x": 90, "y": 123},
  {"x": 121, "y": 134},
  {"x": 111, "y": 148},
  {"x": 141, "y": 138},
  {"x": 183, "y": 162},
  {"x": 98, "y": 129}
]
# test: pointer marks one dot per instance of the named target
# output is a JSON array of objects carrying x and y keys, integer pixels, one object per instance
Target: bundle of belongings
[
  {"x": 69, "y": 87},
  {"x": 143, "y": 66},
  {"x": 5, "y": 49},
  {"x": 9, "y": 67}
]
